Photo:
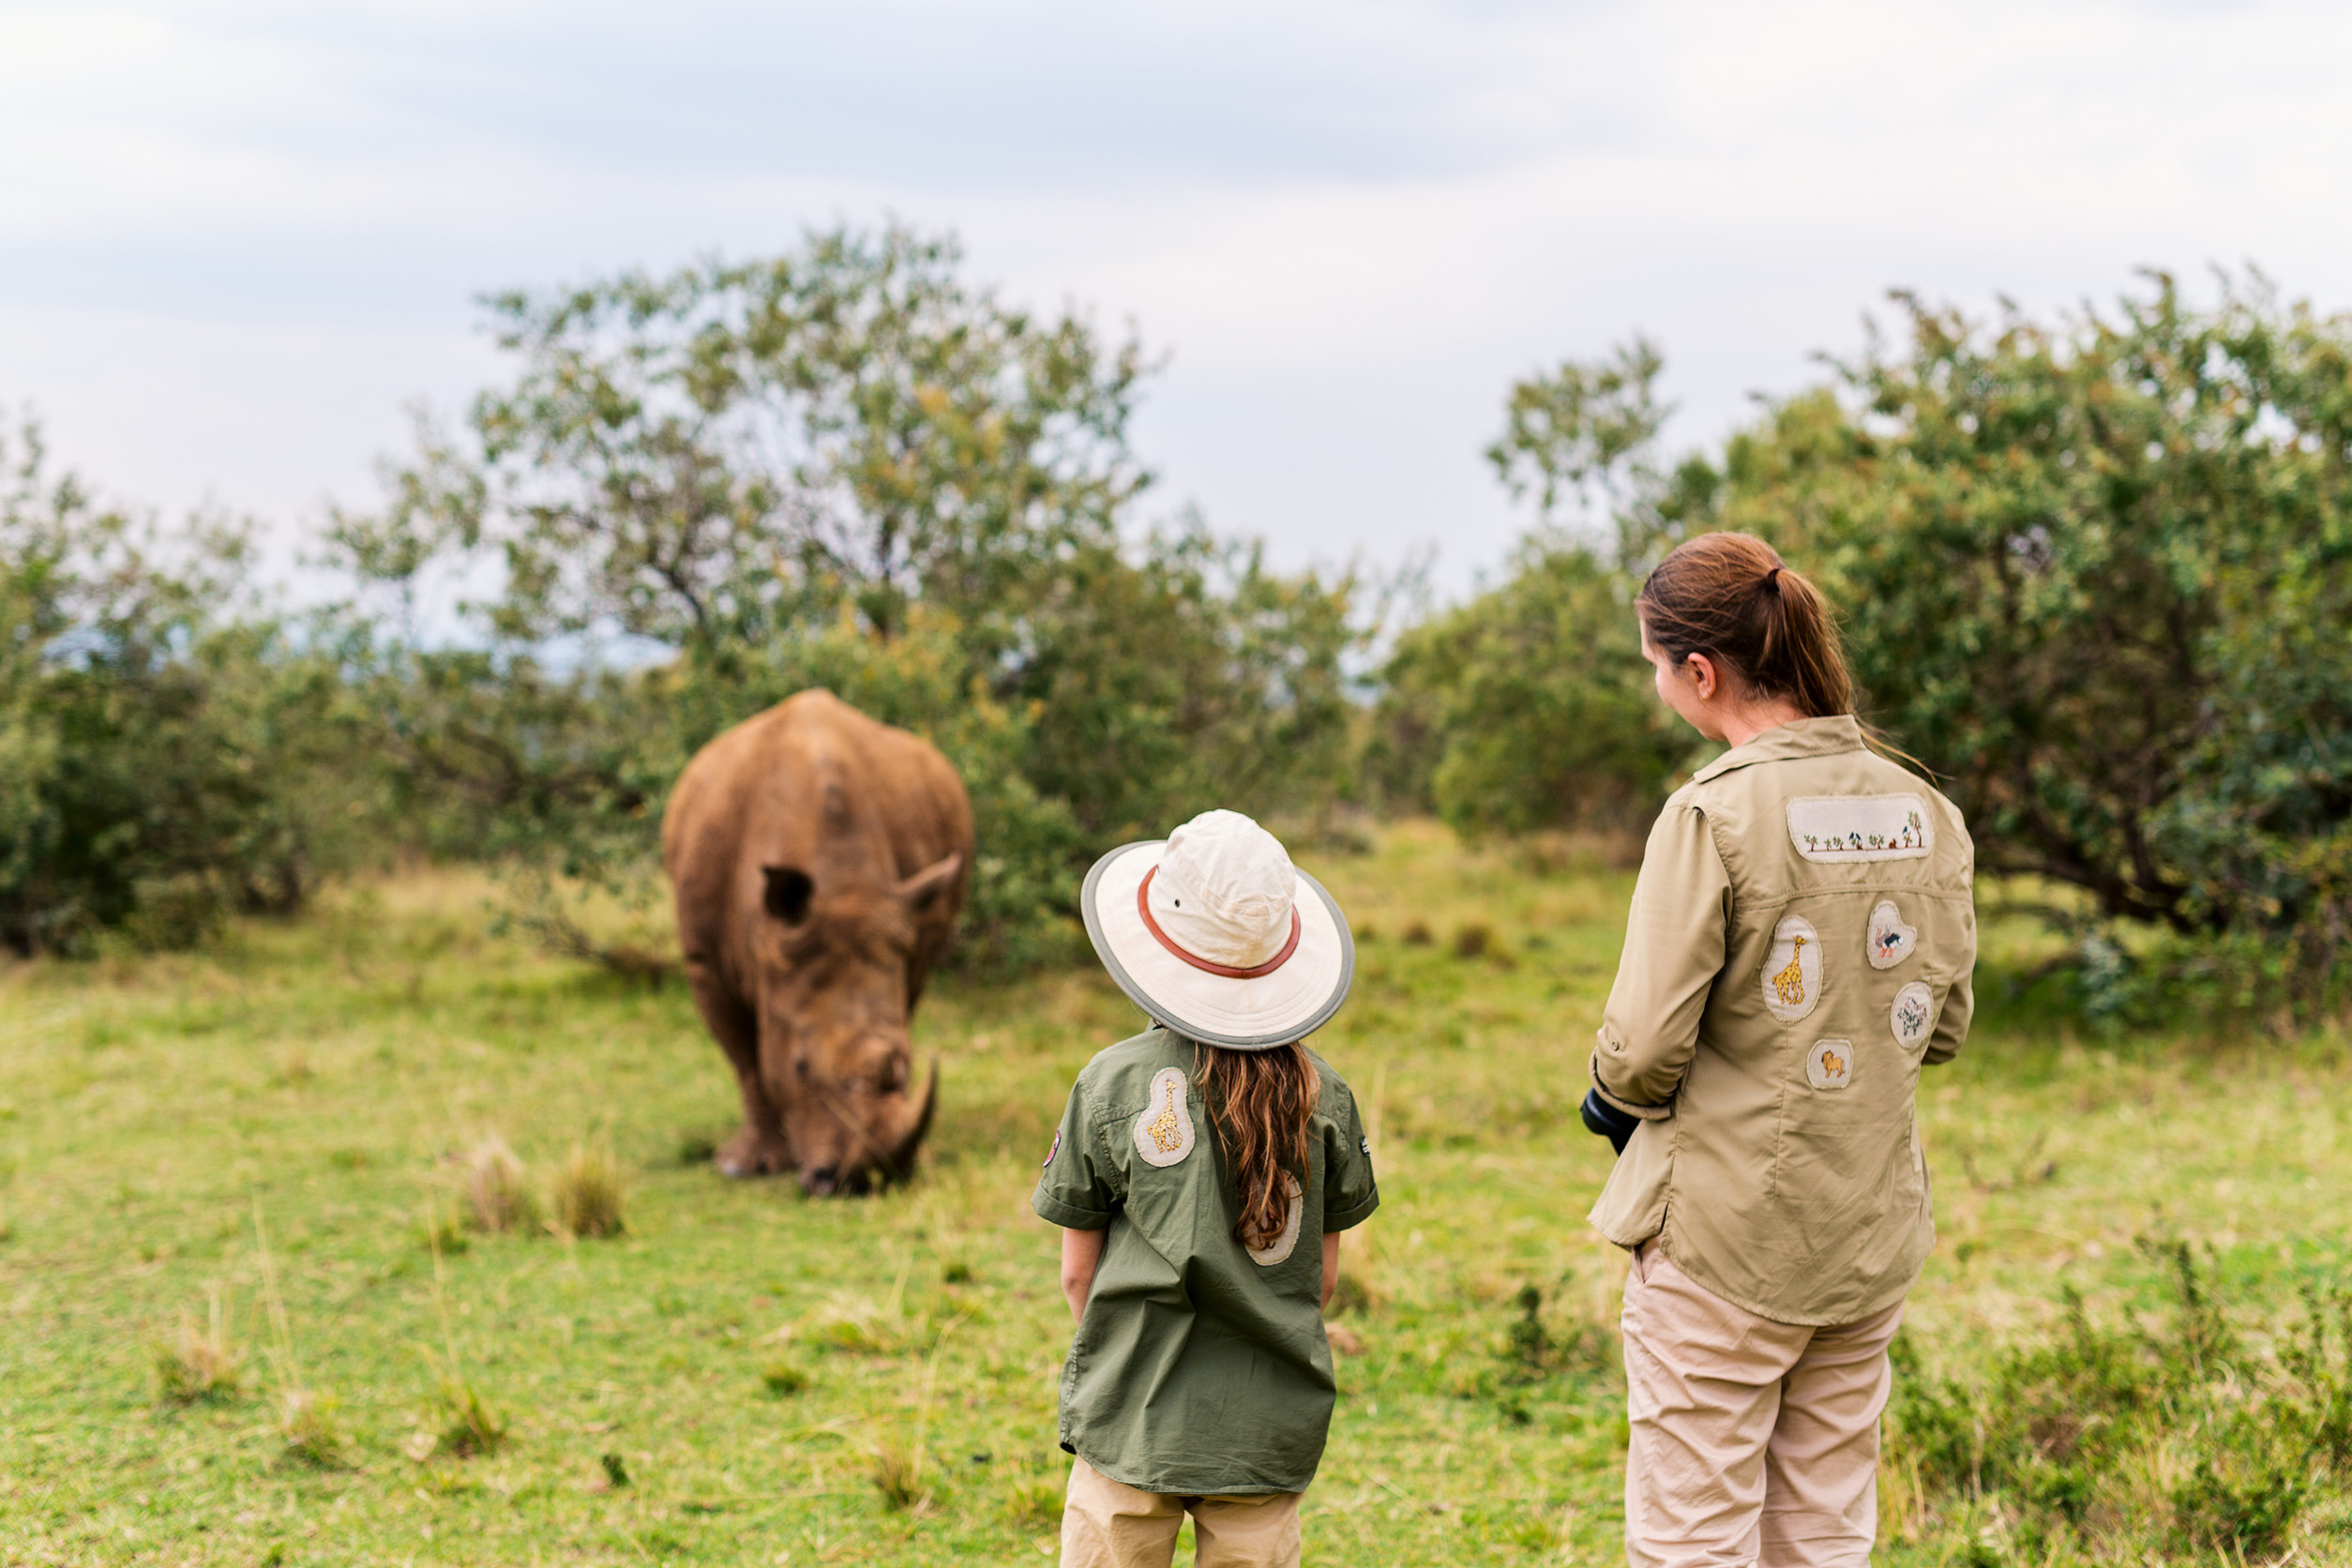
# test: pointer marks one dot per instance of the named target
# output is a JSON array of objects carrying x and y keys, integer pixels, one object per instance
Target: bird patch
[
  {"x": 1792, "y": 970},
  {"x": 1860, "y": 827},
  {"x": 1890, "y": 941},
  {"x": 1163, "y": 1133},
  {"x": 1912, "y": 1015},
  {"x": 1830, "y": 1064},
  {"x": 1280, "y": 1248}
]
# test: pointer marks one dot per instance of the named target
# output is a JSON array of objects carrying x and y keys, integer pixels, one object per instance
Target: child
[{"x": 1202, "y": 1174}]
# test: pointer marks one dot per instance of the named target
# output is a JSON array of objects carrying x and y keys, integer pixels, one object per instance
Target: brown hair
[
  {"x": 1262, "y": 1101},
  {"x": 1732, "y": 597}
]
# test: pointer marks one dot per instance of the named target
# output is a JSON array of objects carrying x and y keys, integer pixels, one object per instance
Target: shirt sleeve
[
  {"x": 1674, "y": 950},
  {"x": 1349, "y": 1192},
  {"x": 1076, "y": 1190},
  {"x": 1951, "y": 1021}
]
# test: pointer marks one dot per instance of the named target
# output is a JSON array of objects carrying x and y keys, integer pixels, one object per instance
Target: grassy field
[{"x": 280, "y": 1126}]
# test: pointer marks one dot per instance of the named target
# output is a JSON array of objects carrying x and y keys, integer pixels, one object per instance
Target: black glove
[{"x": 1610, "y": 1123}]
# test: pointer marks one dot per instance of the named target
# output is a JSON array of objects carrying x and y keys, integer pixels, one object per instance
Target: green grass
[{"x": 739, "y": 1375}]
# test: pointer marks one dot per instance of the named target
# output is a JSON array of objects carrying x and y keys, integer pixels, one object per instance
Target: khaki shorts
[
  {"x": 1105, "y": 1524},
  {"x": 1754, "y": 1442}
]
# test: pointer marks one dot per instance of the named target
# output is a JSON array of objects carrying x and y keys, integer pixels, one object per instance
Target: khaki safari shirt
[
  {"x": 1800, "y": 945},
  {"x": 1200, "y": 1368}
]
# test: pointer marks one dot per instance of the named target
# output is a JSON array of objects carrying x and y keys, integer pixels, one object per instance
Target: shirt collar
[{"x": 1801, "y": 737}]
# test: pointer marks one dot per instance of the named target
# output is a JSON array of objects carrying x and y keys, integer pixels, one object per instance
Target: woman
[{"x": 1800, "y": 945}]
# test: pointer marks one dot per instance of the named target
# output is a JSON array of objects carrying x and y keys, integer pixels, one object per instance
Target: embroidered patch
[
  {"x": 1890, "y": 942},
  {"x": 1365, "y": 1144},
  {"x": 1276, "y": 1250},
  {"x": 1057, "y": 1146},
  {"x": 1912, "y": 1015},
  {"x": 1792, "y": 970},
  {"x": 1831, "y": 1064},
  {"x": 1860, "y": 827},
  {"x": 1163, "y": 1133}
]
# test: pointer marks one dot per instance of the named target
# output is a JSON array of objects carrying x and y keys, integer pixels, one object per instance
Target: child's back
[
  {"x": 1202, "y": 1174},
  {"x": 1199, "y": 1365}
]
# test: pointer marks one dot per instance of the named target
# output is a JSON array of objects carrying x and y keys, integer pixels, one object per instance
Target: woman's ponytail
[
  {"x": 1262, "y": 1102},
  {"x": 1732, "y": 597}
]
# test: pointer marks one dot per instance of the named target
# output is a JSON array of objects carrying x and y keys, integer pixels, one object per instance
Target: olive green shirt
[
  {"x": 1198, "y": 1367},
  {"x": 1800, "y": 943}
]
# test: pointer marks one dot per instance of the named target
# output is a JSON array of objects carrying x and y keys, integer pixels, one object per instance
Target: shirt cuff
[
  {"x": 1648, "y": 1113},
  {"x": 1347, "y": 1219},
  {"x": 1068, "y": 1215}
]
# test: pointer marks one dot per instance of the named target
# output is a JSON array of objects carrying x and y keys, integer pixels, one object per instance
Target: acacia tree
[
  {"x": 842, "y": 466},
  {"x": 2097, "y": 573}
]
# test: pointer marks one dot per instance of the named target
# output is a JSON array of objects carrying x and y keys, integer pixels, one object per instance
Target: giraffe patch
[
  {"x": 1912, "y": 1016},
  {"x": 1890, "y": 941},
  {"x": 1830, "y": 1064},
  {"x": 1280, "y": 1248},
  {"x": 1860, "y": 827},
  {"x": 1163, "y": 1133},
  {"x": 1792, "y": 970}
]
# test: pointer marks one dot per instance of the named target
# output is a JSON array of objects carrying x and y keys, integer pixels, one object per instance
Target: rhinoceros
[{"x": 818, "y": 860}]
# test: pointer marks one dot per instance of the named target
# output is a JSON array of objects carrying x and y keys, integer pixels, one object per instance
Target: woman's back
[{"x": 1800, "y": 943}]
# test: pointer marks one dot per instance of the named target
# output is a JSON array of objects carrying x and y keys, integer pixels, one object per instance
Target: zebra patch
[{"x": 1912, "y": 1015}]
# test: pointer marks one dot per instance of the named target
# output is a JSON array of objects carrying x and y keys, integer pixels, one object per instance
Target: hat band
[{"x": 1143, "y": 908}]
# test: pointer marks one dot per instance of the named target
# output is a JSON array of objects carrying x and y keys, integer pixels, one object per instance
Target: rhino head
[{"x": 837, "y": 978}]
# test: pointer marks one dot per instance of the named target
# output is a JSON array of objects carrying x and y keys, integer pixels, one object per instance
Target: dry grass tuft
[
  {"x": 783, "y": 1378},
  {"x": 441, "y": 1229},
  {"x": 1035, "y": 1502},
  {"x": 897, "y": 1475},
  {"x": 591, "y": 1193},
  {"x": 306, "y": 1420},
  {"x": 200, "y": 1364},
  {"x": 469, "y": 1425},
  {"x": 1417, "y": 934},
  {"x": 498, "y": 1194}
]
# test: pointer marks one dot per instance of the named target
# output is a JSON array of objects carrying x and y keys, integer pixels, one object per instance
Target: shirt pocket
[{"x": 1845, "y": 1155}]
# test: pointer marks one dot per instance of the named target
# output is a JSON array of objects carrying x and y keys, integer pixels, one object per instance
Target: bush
[
  {"x": 1531, "y": 707},
  {"x": 2096, "y": 572},
  {"x": 2066, "y": 1442},
  {"x": 163, "y": 762},
  {"x": 842, "y": 467}
]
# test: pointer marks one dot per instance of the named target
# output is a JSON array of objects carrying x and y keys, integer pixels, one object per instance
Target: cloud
[{"x": 238, "y": 237}]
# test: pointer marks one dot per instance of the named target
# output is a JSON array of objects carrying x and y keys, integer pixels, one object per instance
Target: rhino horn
[{"x": 898, "y": 1162}]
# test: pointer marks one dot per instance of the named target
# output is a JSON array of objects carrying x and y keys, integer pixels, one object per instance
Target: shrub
[
  {"x": 2064, "y": 1440},
  {"x": 1530, "y": 706},
  {"x": 2095, "y": 572}
]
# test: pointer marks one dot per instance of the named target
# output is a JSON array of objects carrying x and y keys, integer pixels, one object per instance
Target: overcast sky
[{"x": 237, "y": 239}]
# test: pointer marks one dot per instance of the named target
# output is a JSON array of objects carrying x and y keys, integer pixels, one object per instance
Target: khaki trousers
[
  {"x": 1754, "y": 1442},
  {"x": 1105, "y": 1524}
]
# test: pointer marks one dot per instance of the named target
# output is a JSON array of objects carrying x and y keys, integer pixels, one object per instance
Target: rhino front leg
[{"x": 760, "y": 1149}]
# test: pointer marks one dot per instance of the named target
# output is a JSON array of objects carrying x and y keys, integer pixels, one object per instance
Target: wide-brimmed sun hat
[{"x": 1215, "y": 934}]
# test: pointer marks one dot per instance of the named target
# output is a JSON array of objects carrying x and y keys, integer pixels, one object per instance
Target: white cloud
[{"x": 236, "y": 239}]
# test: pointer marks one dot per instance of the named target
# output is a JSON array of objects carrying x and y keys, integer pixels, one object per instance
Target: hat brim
[{"x": 1271, "y": 1010}]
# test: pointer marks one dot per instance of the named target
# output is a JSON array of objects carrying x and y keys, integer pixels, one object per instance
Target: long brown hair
[
  {"x": 1261, "y": 1102},
  {"x": 1732, "y": 597}
]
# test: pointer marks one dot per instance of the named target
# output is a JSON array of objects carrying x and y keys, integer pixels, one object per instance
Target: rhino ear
[
  {"x": 928, "y": 884},
  {"x": 787, "y": 893}
]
